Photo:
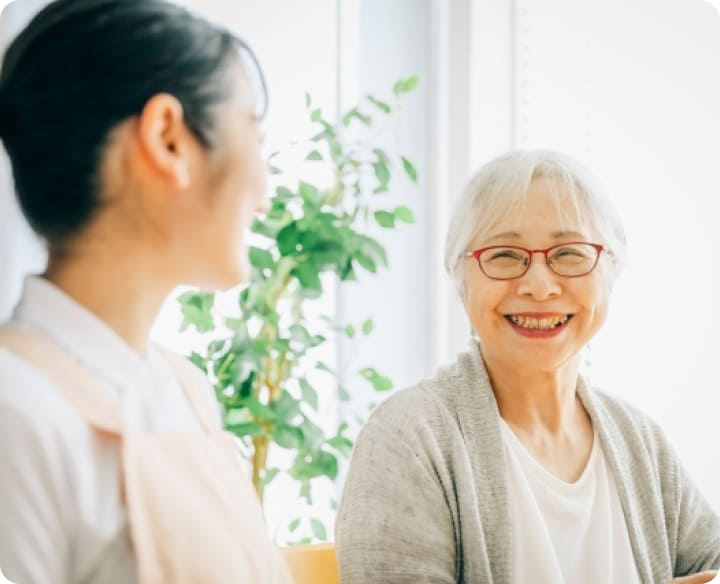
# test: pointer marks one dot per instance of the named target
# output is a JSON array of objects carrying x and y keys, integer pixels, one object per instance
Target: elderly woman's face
[{"x": 541, "y": 320}]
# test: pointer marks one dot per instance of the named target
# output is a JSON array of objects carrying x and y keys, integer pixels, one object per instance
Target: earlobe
[{"x": 163, "y": 136}]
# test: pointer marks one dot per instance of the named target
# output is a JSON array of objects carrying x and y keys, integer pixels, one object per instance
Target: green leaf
[
  {"x": 347, "y": 272},
  {"x": 365, "y": 261},
  {"x": 327, "y": 252},
  {"x": 372, "y": 248},
  {"x": 260, "y": 410},
  {"x": 405, "y": 85},
  {"x": 336, "y": 150},
  {"x": 294, "y": 524},
  {"x": 246, "y": 429},
  {"x": 385, "y": 219},
  {"x": 343, "y": 394},
  {"x": 314, "y": 155},
  {"x": 268, "y": 476},
  {"x": 309, "y": 466},
  {"x": 286, "y": 406},
  {"x": 381, "y": 155},
  {"x": 265, "y": 228},
  {"x": 324, "y": 367},
  {"x": 409, "y": 169},
  {"x": 314, "y": 436},
  {"x": 309, "y": 194},
  {"x": 316, "y": 115},
  {"x": 367, "y": 327},
  {"x": 309, "y": 394},
  {"x": 299, "y": 333},
  {"x": 350, "y": 331},
  {"x": 318, "y": 529},
  {"x": 283, "y": 195},
  {"x": 355, "y": 114},
  {"x": 379, "y": 382},
  {"x": 341, "y": 444},
  {"x": 289, "y": 437},
  {"x": 404, "y": 214},
  {"x": 382, "y": 173},
  {"x": 381, "y": 105},
  {"x": 199, "y": 361},
  {"x": 308, "y": 99},
  {"x": 309, "y": 278},
  {"x": 287, "y": 239},
  {"x": 261, "y": 258},
  {"x": 196, "y": 308}
]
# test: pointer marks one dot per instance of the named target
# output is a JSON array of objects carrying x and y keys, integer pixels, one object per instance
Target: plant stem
[
  {"x": 259, "y": 462},
  {"x": 261, "y": 443}
]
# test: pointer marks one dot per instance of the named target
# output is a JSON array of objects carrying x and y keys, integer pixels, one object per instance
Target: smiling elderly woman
[{"x": 506, "y": 467}]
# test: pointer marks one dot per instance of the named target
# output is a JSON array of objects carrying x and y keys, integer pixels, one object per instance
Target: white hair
[{"x": 500, "y": 187}]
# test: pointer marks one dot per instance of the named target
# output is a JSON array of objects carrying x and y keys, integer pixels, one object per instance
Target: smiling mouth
[{"x": 547, "y": 323}]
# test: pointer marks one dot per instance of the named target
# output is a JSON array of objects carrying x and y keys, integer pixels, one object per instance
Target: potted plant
[{"x": 259, "y": 358}]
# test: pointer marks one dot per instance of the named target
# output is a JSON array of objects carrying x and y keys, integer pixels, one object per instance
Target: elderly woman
[{"x": 506, "y": 467}]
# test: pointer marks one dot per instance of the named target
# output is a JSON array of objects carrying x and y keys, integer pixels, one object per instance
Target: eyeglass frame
[{"x": 599, "y": 249}]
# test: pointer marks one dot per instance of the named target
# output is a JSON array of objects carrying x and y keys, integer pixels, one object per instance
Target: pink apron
[{"x": 193, "y": 513}]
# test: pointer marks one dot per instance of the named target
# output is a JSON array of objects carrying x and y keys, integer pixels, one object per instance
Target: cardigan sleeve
[
  {"x": 394, "y": 524},
  {"x": 698, "y": 528}
]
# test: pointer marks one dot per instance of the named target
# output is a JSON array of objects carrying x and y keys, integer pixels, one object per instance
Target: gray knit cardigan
[{"x": 426, "y": 496}]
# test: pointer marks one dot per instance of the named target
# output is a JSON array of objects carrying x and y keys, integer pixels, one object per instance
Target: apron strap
[
  {"x": 195, "y": 387},
  {"x": 77, "y": 384}
]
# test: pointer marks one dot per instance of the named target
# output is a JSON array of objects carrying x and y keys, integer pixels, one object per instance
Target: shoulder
[
  {"x": 411, "y": 407},
  {"x": 629, "y": 424},
  {"x": 423, "y": 417},
  {"x": 422, "y": 407},
  {"x": 27, "y": 393},
  {"x": 191, "y": 379}
]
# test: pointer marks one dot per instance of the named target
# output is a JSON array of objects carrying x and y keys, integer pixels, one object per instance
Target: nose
[{"x": 539, "y": 282}]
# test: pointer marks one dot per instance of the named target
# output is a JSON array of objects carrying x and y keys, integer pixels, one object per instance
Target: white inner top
[{"x": 566, "y": 532}]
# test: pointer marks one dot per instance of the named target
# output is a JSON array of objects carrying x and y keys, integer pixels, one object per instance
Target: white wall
[
  {"x": 633, "y": 90},
  {"x": 21, "y": 252},
  {"x": 384, "y": 42}
]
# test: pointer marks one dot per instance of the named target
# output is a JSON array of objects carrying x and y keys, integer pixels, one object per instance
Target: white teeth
[{"x": 546, "y": 323}]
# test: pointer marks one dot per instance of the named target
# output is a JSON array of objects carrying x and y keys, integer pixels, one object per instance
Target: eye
[
  {"x": 571, "y": 254},
  {"x": 569, "y": 251},
  {"x": 506, "y": 253},
  {"x": 504, "y": 256}
]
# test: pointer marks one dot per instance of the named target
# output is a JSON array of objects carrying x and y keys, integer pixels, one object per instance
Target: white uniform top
[
  {"x": 566, "y": 533},
  {"x": 61, "y": 516}
]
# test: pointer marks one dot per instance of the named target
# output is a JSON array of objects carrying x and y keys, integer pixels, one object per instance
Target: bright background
[{"x": 631, "y": 88}]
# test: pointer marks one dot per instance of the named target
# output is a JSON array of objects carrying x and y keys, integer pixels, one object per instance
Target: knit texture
[{"x": 426, "y": 496}]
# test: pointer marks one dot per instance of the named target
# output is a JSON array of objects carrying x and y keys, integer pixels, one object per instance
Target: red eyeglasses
[{"x": 506, "y": 262}]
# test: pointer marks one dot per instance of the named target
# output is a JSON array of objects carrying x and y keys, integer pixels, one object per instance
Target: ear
[{"x": 164, "y": 139}]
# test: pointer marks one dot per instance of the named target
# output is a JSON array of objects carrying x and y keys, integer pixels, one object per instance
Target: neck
[
  {"x": 538, "y": 401},
  {"x": 122, "y": 288}
]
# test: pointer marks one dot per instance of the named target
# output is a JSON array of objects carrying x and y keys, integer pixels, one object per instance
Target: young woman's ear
[{"x": 164, "y": 139}]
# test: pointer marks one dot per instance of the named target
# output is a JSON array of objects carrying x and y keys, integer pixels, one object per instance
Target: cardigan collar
[{"x": 476, "y": 411}]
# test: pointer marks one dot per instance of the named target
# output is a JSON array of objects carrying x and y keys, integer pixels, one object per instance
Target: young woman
[{"x": 133, "y": 128}]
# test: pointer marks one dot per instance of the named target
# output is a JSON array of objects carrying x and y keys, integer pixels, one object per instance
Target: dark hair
[{"x": 83, "y": 66}]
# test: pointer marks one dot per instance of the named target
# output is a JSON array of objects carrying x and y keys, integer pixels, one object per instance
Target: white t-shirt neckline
[{"x": 566, "y": 532}]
